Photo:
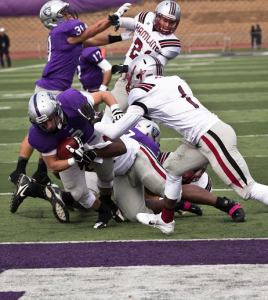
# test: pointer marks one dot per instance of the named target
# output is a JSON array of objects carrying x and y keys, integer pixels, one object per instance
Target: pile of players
[{"x": 119, "y": 153}]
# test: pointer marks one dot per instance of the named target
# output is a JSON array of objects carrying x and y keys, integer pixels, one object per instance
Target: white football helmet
[
  {"x": 149, "y": 128},
  {"x": 141, "y": 67},
  {"x": 53, "y": 13},
  {"x": 44, "y": 106},
  {"x": 167, "y": 11}
]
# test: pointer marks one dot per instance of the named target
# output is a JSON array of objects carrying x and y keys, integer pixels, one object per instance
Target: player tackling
[{"x": 207, "y": 139}]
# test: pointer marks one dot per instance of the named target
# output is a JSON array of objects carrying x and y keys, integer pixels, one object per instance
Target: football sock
[
  {"x": 67, "y": 198},
  {"x": 42, "y": 167},
  {"x": 22, "y": 163},
  {"x": 167, "y": 215},
  {"x": 107, "y": 200}
]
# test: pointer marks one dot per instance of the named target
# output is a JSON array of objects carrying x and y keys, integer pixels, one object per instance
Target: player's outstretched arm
[{"x": 99, "y": 27}]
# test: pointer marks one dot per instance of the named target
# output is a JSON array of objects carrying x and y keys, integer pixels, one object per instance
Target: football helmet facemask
[
  {"x": 56, "y": 12},
  {"x": 168, "y": 12},
  {"x": 150, "y": 129},
  {"x": 44, "y": 106},
  {"x": 142, "y": 67}
]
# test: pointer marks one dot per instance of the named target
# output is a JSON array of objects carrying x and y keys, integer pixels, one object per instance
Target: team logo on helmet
[
  {"x": 47, "y": 12},
  {"x": 155, "y": 133}
]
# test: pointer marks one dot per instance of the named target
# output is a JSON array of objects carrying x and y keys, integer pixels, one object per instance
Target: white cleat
[{"x": 156, "y": 222}]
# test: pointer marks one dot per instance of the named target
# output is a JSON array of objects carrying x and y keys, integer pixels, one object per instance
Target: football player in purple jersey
[
  {"x": 93, "y": 70},
  {"x": 53, "y": 119},
  {"x": 65, "y": 43}
]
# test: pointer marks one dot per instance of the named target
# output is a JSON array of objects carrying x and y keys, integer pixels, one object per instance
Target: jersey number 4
[{"x": 183, "y": 95}]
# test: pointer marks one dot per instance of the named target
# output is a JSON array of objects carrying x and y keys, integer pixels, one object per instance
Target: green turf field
[{"x": 234, "y": 88}]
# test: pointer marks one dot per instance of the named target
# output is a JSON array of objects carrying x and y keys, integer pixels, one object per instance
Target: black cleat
[
  {"x": 234, "y": 209},
  {"x": 42, "y": 178},
  {"x": 14, "y": 176},
  {"x": 117, "y": 215},
  {"x": 60, "y": 211},
  {"x": 103, "y": 220},
  {"x": 23, "y": 190},
  {"x": 188, "y": 206}
]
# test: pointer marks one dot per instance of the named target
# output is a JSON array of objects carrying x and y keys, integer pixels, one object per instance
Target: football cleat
[
  {"x": 234, "y": 209},
  {"x": 188, "y": 206},
  {"x": 14, "y": 176},
  {"x": 23, "y": 190},
  {"x": 156, "y": 222},
  {"x": 102, "y": 221},
  {"x": 117, "y": 215},
  {"x": 60, "y": 211}
]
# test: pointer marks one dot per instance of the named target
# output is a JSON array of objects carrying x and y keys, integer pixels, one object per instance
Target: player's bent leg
[
  {"x": 120, "y": 94},
  {"x": 129, "y": 199}
]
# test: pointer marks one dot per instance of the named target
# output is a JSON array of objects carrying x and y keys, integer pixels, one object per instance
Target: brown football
[{"x": 62, "y": 151}]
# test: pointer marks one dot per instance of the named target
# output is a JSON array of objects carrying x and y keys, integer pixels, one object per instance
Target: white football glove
[
  {"x": 121, "y": 10},
  {"x": 126, "y": 35},
  {"x": 117, "y": 113}
]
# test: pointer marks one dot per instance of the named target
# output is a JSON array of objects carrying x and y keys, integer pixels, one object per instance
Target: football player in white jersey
[
  {"x": 207, "y": 139},
  {"x": 153, "y": 34}
]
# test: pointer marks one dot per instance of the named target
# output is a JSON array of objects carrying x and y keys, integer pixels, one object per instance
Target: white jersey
[
  {"x": 146, "y": 40},
  {"x": 169, "y": 101},
  {"x": 124, "y": 162}
]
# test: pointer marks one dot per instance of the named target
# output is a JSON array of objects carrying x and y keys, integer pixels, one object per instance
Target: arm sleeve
[
  {"x": 163, "y": 59},
  {"x": 128, "y": 23},
  {"x": 117, "y": 129},
  {"x": 105, "y": 65}
]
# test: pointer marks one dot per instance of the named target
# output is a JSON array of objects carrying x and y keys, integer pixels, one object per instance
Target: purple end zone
[
  {"x": 11, "y": 295},
  {"x": 112, "y": 254}
]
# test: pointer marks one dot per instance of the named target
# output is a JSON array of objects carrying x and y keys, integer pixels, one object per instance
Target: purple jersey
[
  {"x": 63, "y": 57},
  {"x": 140, "y": 137},
  {"x": 88, "y": 71},
  {"x": 70, "y": 100}
]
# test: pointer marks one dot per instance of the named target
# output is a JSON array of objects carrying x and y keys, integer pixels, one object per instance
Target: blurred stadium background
[{"x": 222, "y": 25}]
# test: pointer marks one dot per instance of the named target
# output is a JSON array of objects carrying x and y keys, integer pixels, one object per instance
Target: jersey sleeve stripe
[
  {"x": 143, "y": 106},
  {"x": 170, "y": 43},
  {"x": 142, "y": 16},
  {"x": 145, "y": 86}
]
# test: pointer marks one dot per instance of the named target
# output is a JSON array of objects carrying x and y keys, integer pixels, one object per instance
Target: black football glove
[
  {"x": 118, "y": 14},
  {"x": 88, "y": 157},
  {"x": 79, "y": 152},
  {"x": 113, "y": 20},
  {"x": 87, "y": 111},
  {"x": 119, "y": 69}
]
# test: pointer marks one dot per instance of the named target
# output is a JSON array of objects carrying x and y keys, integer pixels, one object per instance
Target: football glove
[
  {"x": 117, "y": 15},
  {"x": 119, "y": 69},
  {"x": 117, "y": 113},
  {"x": 79, "y": 152},
  {"x": 88, "y": 157},
  {"x": 126, "y": 35},
  {"x": 87, "y": 111}
]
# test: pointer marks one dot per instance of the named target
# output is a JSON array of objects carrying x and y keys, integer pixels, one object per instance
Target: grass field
[{"x": 234, "y": 88}]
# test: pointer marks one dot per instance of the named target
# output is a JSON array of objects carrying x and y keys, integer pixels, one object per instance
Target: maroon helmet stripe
[{"x": 172, "y": 8}]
